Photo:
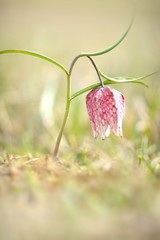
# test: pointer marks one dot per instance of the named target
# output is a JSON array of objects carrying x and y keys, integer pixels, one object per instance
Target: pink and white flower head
[{"x": 105, "y": 108}]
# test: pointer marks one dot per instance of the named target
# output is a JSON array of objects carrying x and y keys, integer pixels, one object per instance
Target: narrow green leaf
[
  {"x": 109, "y": 80},
  {"x": 114, "y": 45},
  {"x": 126, "y": 79},
  {"x": 35, "y": 54}
]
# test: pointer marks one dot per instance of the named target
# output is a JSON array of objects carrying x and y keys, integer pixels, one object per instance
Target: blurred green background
[
  {"x": 33, "y": 91},
  {"x": 32, "y": 102}
]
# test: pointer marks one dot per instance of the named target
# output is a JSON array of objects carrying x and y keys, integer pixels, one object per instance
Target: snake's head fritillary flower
[{"x": 105, "y": 108}]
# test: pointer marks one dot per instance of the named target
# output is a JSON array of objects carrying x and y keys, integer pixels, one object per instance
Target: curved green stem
[
  {"x": 93, "y": 63},
  {"x": 35, "y": 54},
  {"x": 68, "y": 102},
  {"x": 96, "y": 68},
  {"x": 73, "y": 63}
]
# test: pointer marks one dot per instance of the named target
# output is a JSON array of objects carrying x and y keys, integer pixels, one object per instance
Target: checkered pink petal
[{"x": 105, "y": 108}]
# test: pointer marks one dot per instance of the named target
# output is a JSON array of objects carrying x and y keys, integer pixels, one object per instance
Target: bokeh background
[{"x": 32, "y": 101}]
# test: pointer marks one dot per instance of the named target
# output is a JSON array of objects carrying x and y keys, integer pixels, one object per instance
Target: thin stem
[
  {"x": 96, "y": 68},
  {"x": 35, "y": 54},
  {"x": 73, "y": 63},
  {"x": 68, "y": 102},
  {"x": 93, "y": 63}
]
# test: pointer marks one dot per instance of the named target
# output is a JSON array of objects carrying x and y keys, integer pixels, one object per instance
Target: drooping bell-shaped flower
[{"x": 105, "y": 108}]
